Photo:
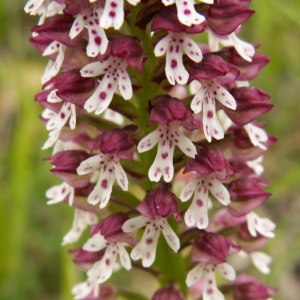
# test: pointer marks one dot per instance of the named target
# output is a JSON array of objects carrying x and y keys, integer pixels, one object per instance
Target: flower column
[{"x": 189, "y": 118}]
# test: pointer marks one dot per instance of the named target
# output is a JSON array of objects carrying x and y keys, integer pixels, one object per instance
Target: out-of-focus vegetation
[{"x": 32, "y": 265}]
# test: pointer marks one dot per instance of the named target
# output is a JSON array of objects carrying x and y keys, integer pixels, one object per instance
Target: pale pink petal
[
  {"x": 210, "y": 289},
  {"x": 134, "y": 224},
  {"x": 98, "y": 41},
  {"x": 58, "y": 193}
]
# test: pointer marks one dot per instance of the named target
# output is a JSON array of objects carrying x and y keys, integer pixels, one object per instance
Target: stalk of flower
[{"x": 195, "y": 102}]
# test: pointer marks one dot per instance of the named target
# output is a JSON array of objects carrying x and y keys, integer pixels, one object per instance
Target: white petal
[
  {"x": 163, "y": 163},
  {"x": 94, "y": 69},
  {"x": 195, "y": 274},
  {"x": 149, "y": 141},
  {"x": 219, "y": 191},
  {"x": 59, "y": 192},
  {"x": 227, "y": 271},
  {"x": 175, "y": 70},
  {"x": 197, "y": 101},
  {"x": 102, "y": 190},
  {"x": 121, "y": 176},
  {"x": 82, "y": 290},
  {"x": 124, "y": 84},
  {"x": 81, "y": 220},
  {"x": 98, "y": 41},
  {"x": 263, "y": 226},
  {"x": 103, "y": 269},
  {"x": 210, "y": 289},
  {"x": 196, "y": 214},
  {"x": 161, "y": 47},
  {"x": 257, "y": 136},
  {"x": 134, "y": 224},
  {"x": 168, "y": 2},
  {"x": 245, "y": 50},
  {"x": 146, "y": 248},
  {"x": 171, "y": 237},
  {"x": 186, "y": 146},
  {"x": 187, "y": 14},
  {"x": 261, "y": 261},
  {"x": 95, "y": 243},
  {"x": 124, "y": 257},
  {"x": 113, "y": 14},
  {"x": 33, "y": 6},
  {"x": 90, "y": 165},
  {"x": 52, "y": 48},
  {"x": 191, "y": 49},
  {"x": 77, "y": 26},
  {"x": 224, "y": 97},
  {"x": 72, "y": 121},
  {"x": 133, "y": 2},
  {"x": 188, "y": 191}
]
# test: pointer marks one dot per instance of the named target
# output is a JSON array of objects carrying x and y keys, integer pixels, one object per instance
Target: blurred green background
[{"x": 32, "y": 264}]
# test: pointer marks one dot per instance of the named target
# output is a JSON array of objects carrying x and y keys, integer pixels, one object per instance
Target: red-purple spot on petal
[
  {"x": 149, "y": 241},
  {"x": 112, "y": 14},
  {"x": 107, "y": 261},
  {"x": 104, "y": 183},
  {"x": 199, "y": 202},
  {"x": 173, "y": 63},
  {"x": 210, "y": 114},
  {"x": 62, "y": 115},
  {"x": 187, "y": 12},
  {"x": 102, "y": 95},
  {"x": 164, "y": 155},
  {"x": 97, "y": 40}
]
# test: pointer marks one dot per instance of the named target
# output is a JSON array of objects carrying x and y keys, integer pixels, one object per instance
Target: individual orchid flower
[
  {"x": 89, "y": 17},
  {"x": 59, "y": 193},
  {"x": 124, "y": 51},
  {"x": 210, "y": 251},
  {"x": 82, "y": 220},
  {"x": 207, "y": 84},
  {"x": 156, "y": 207},
  {"x": 262, "y": 226},
  {"x": 175, "y": 44},
  {"x": 211, "y": 168},
  {"x": 186, "y": 11},
  {"x": 114, "y": 145},
  {"x": 107, "y": 235},
  {"x": 169, "y": 113}
]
